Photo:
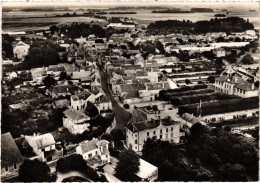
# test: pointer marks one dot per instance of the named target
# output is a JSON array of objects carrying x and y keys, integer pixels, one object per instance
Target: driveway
[{"x": 121, "y": 115}]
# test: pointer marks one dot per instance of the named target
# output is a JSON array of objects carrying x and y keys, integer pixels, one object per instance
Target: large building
[
  {"x": 235, "y": 85},
  {"x": 139, "y": 130}
]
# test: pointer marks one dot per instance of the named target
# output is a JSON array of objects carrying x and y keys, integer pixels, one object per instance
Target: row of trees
[
  {"x": 230, "y": 24},
  {"x": 218, "y": 107}
]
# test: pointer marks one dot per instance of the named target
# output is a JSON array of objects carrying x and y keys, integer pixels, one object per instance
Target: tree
[
  {"x": 187, "y": 81},
  {"x": 227, "y": 128},
  {"x": 91, "y": 109},
  {"x": 127, "y": 166},
  {"x": 196, "y": 131},
  {"x": 43, "y": 53},
  {"x": 34, "y": 171},
  {"x": 220, "y": 39},
  {"x": 211, "y": 79},
  {"x": 48, "y": 81},
  {"x": 107, "y": 137},
  {"x": 117, "y": 135},
  {"x": 63, "y": 75},
  {"x": 247, "y": 59}
]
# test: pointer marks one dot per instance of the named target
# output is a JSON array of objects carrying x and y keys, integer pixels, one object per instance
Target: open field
[{"x": 22, "y": 24}]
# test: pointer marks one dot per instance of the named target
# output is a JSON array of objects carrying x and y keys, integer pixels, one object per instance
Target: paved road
[{"x": 121, "y": 115}]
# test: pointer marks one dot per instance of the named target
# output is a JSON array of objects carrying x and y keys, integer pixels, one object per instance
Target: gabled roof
[
  {"x": 87, "y": 146},
  {"x": 82, "y": 96},
  {"x": 75, "y": 115},
  {"x": 144, "y": 125},
  {"x": 10, "y": 153}
]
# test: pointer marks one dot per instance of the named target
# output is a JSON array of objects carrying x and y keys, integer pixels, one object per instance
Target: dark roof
[
  {"x": 104, "y": 99},
  {"x": 237, "y": 81},
  {"x": 10, "y": 153},
  {"x": 88, "y": 146},
  {"x": 82, "y": 96},
  {"x": 74, "y": 114},
  {"x": 140, "y": 126},
  {"x": 63, "y": 88}
]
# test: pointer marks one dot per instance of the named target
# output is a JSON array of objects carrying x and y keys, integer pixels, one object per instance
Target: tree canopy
[
  {"x": 43, "y": 53},
  {"x": 208, "y": 155},
  {"x": 34, "y": 171},
  {"x": 127, "y": 166}
]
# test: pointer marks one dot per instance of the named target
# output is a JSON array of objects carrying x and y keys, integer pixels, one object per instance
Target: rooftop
[
  {"x": 10, "y": 153},
  {"x": 144, "y": 125}
]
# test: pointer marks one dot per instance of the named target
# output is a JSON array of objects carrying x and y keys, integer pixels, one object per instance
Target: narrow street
[{"x": 121, "y": 115}]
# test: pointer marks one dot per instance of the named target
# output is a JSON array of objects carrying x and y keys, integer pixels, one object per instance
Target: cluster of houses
[{"x": 133, "y": 80}]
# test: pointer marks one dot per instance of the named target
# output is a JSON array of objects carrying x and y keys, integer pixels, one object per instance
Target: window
[
  {"x": 147, "y": 133},
  {"x": 171, "y": 128},
  {"x": 6, "y": 168},
  {"x": 160, "y": 131},
  {"x": 15, "y": 166},
  {"x": 160, "y": 136},
  {"x": 106, "y": 156},
  {"x": 166, "y": 129},
  {"x": 90, "y": 155},
  {"x": 135, "y": 141},
  {"x": 96, "y": 152},
  {"x": 154, "y": 132}
]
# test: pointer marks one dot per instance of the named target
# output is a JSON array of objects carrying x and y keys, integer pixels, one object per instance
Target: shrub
[{"x": 126, "y": 106}]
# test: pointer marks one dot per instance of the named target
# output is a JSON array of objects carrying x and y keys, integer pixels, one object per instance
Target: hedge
[
  {"x": 203, "y": 97},
  {"x": 218, "y": 107},
  {"x": 182, "y": 89},
  {"x": 168, "y": 95}
]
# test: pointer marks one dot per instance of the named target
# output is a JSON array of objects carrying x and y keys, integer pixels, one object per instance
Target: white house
[
  {"x": 75, "y": 121},
  {"x": 140, "y": 129},
  {"x": 235, "y": 85},
  {"x": 95, "y": 152},
  {"x": 21, "y": 50}
]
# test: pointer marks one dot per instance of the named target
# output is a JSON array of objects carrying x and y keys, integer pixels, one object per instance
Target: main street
[{"x": 121, "y": 115}]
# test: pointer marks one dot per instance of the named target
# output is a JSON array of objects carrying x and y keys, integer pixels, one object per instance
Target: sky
[{"x": 109, "y": 3}]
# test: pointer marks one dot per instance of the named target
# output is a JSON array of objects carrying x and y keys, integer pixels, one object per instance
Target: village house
[
  {"x": 139, "y": 129},
  {"x": 75, "y": 121},
  {"x": 44, "y": 147},
  {"x": 79, "y": 102},
  {"x": 95, "y": 152},
  {"x": 62, "y": 90},
  {"x": 11, "y": 158},
  {"x": 20, "y": 50}
]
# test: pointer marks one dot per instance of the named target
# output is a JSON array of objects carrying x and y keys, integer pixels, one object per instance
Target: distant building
[
  {"x": 235, "y": 85},
  {"x": 11, "y": 158},
  {"x": 95, "y": 152},
  {"x": 75, "y": 121}
]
